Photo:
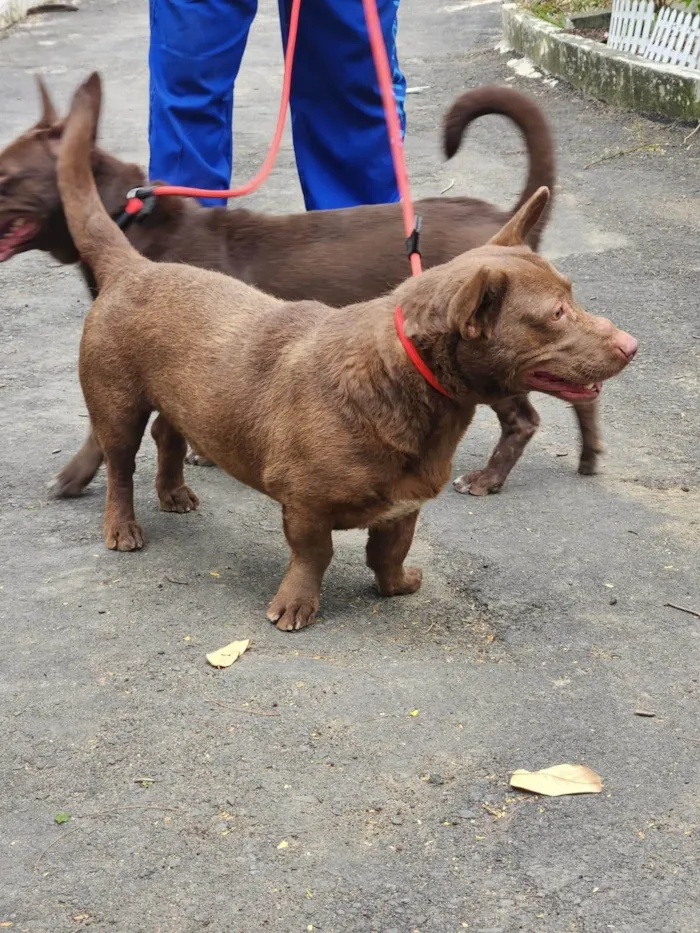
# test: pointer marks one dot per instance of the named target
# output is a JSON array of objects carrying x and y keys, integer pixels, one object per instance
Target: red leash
[
  {"x": 412, "y": 224},
  {"x": 135, "y": 203},
  {"x": 138, "y": 198}
]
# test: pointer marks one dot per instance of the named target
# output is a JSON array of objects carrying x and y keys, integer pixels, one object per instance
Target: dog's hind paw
[
  {"x": 124, "y": 536},
  {"x": 179, "y": 500},
  {"x": 408, "y": 582},
  {"x": 61, "y": 487},
  {"x": 195, "y": 459},
  {"x": 478, "y": 483},
  {"x": 588, "y": 464},
  {"x": 71, "y": 481}
]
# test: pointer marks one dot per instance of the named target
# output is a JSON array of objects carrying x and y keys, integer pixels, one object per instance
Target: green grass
[{"x": 555, "y": 11}]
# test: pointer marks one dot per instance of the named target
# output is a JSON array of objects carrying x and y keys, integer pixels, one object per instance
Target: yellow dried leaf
[
  {"x": 414, "y": 712},
  {"x": 214, "y": 573},
  {"x": 7, "y": 923},
  {"x": 283, "y": 845},
  {"x": 557, "y": 781},
  {"x": 224, "y": 657}
]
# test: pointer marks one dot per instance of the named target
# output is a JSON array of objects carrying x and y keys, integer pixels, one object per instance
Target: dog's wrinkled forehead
[
  {"x": 515, "y": 263},
  {"x": 15, "y": 159},
  {"x": 28, "y": 173}
]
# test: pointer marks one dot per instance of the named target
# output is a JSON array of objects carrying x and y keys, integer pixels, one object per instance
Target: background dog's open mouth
[
  {"x": 14, "y": 234},
  {"x": 543, "y": 381}
]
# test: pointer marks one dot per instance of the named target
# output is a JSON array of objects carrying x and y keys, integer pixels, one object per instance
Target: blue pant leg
[
  {"x": 340, "y": 135},
  {"x": 195, "y": 52}
]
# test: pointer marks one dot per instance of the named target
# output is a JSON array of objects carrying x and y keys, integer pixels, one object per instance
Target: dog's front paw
[
  {"x": 179, "y": 500},
  {"x": 478, "y": 483},
  {"x": 293, "y": 612},
  {"x": 407, "y": 582},
  {"x": 124, "y": 536},
  {"x": 195, "y": 459}
]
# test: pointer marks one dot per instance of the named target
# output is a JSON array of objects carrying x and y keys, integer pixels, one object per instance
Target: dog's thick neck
[
  {"x": 375, "y": 374},
  {"x": 113, "y": 178}
]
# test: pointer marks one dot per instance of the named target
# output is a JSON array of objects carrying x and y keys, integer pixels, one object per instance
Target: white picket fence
[{"x": 672, "y": 37}]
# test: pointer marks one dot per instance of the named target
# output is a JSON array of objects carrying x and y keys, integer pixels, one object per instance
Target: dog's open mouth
[
  {"x": 543, "y": 381},
  {"x": 14, "y": 234}
]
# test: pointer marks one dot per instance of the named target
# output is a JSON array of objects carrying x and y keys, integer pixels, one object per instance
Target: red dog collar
[{"x": 413, "y": 354}]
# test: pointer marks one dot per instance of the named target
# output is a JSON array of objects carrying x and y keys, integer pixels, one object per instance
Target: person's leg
[
  {"x": 194, "y": 56},
  {"x": 340, "y": 135}
]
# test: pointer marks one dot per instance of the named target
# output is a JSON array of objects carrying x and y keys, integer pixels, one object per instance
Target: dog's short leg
[
  {"x": 120, "y": 445},
  {"x": 173, "y": 494},
  {"x": 310, "y": 538},
  {"x": 80, "y": 469},
  {"x": 591, "y": 444},
  {"x": 387, "y": 547},
  {"x": 519, "y": 422}
]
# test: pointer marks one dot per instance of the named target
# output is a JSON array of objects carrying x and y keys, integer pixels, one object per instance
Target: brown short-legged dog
[
  {"x": 290, "y": 257},
  {"x": 319, "y": 408}
]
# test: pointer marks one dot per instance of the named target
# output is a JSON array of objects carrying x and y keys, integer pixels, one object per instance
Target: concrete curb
[{"x": 621, "y": 79}]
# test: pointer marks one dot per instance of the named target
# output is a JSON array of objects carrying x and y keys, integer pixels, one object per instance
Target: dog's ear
[
  {"x": 49, "y": 116},
  {"x": 52, "y": 135},
  {"x": 88, "y": 97},
  {"x": 475, "y": 306},
  {"x": 49, "y": 126},
  {"x": 89, "y": 92},
  {"x": 521, "y": 223}
]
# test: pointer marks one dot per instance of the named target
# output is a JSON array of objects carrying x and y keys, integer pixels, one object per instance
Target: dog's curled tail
[
  {"x": 527, "y": 116},
  {"x": 99, "y": 240}
]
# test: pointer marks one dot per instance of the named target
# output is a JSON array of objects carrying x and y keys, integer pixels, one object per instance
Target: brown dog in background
[
  {"x": 338, "y": 257},
  {"x": 319, "y": 408}
]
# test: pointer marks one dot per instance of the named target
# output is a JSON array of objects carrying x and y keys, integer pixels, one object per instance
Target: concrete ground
[{"x": 295, "y": 791}]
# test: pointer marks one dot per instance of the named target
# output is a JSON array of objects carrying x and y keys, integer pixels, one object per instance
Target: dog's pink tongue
[{"x": 14, "y": 238}]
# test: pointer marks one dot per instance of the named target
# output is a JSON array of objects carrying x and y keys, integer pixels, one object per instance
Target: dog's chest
[{"x": 399, "y": 510}]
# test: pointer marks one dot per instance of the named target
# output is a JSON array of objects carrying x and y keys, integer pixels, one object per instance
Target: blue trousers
[{"x": 340, "y": 136}]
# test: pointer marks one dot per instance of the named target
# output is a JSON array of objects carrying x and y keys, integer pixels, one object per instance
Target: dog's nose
[{"x": 626, "y": 344}]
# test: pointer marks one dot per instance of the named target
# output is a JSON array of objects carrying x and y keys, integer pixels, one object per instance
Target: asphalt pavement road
[{"x": 296, "y": 791}]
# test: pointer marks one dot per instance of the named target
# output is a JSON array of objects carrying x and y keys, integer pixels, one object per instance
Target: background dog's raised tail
[
  {"x": 527, "y": 116},
  {"x": 99, "y": 240}
]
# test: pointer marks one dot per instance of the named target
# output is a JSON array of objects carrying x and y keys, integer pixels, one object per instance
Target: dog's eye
[{"x": 558, "y": 314}]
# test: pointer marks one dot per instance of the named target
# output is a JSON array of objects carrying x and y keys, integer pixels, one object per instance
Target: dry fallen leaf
[
  {"x": 557, "y": 781},
  {"x": 224, "y": 657},
  {"x": 283, "y": 845},
  {"x": 414, "y": 712}
]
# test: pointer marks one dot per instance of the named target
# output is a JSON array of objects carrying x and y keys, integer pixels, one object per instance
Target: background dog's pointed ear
[
  {"x": 48, "y": 112},
  {"x": 521, "y": 223},
  {"x": 474, "y": 308}
]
